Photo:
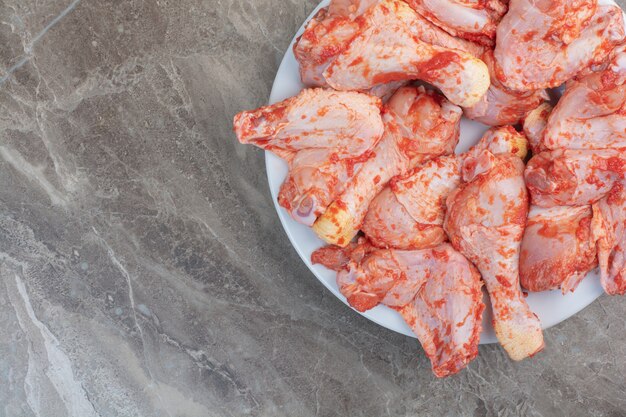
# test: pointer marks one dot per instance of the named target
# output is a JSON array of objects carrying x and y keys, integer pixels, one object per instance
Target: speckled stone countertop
[{"x": 143, "y": 269}]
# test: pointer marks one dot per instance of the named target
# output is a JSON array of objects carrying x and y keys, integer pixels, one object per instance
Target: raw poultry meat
[
  {"x": 557, "y": 249},
  {"x": 322, "y": 134},
  {"x": 315, "y": 178},
  {"x": 535, "y": 124},
  {"x": 485, "y": 221},
  {"x": 332, "y": 29},
  {"x": 501, "y": 105},
  {"x": 542, "y": 44},
  {"x": 348, "y": 122},
  {"x": 386, "y": 49},
  {"x": 350, "y": 8},
  {"x": 475, "y": 20},
  {"x": 419, "y": 125},
  {"x": 388, "y": 169},
  {"x": 324, "y": 37},
  {"x": 609, "y": 229},
  {"x": 434, "y": 35},
  {"x": 592, "y": 112},
  {"x": 497, "y": 140},
  {"x": 409, "y": 213},
  {"x": 437, "y": 291},
  {"x": 573, "y": 177}
]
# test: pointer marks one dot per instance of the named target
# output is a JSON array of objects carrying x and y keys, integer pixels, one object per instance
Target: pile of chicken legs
[{"x": 410, "y": 224}]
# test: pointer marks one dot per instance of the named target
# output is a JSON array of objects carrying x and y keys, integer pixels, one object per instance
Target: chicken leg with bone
[
  {"x": 409, "y": 213},
  {"x": 387, "y": 50},
  {"x": 485, "y": 221},
  {"x": 419, "y": 125},
  {"x": 333, "y": 28},
  {"x": 437, "y": 291}
]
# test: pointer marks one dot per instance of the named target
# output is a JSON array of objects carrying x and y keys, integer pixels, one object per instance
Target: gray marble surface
[{"x": 143, "y": 269}]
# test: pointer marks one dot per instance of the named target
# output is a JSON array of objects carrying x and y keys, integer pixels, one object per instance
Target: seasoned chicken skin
[
  {"x": 437, "y": 291},
  {"x": 323, "y": 135},
  {"x": 333, "y": 28},
  {"x": 573, "y": 177},
  {"x": 469, "y": 19},
  {"x": 557, "y": 249},
  {"x": 501, "y": 105},
  {"x": 409, "y": 213},
  {"x": 609, "y": 229},
  {"x": 535, "y": 124},
  {"x": 485, "y": 221},
  {"x": 387, "y": 50},
  {"x": 592, "y": 112},
  {"x": 419, "y": 125},
  {"x": 542, "y": 44}
]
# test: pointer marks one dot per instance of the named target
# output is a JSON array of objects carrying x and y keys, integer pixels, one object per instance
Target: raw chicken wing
[
  {"x": 572, "y": 177},
  {"x": 542, "y": 44},
  {"x": 469, "y": 19},
  {"x": 437, "y": 291},
  {"x": 609, "y": 229},
  {"x": 419, "y": 125},
  {"x": 348, "y": 122},
  {"x": 592, "y": 112},
  {"x": 485, "y": 221},
  {"x": 501, "y": 105},
  {"x": 387, "y": 50},
  {"x": 557, "y": 248},
  {"x": 322, "y": 134}
]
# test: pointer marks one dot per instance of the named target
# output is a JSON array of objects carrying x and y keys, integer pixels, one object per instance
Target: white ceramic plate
[{"x": 551, "y": 306}]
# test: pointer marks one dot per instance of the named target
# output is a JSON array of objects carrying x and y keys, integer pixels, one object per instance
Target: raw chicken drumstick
[
  {"x": 557, "y": 249},
  {"x": 437, "y": 291},
  {"x": 409, "y": 213},
  {"x": 573, "y": 177},
  {"x": 333, "y": 28},
  {"x": 419, "y": 125},
  {"x": 592, "y": 112},
  {"x": 542, "y": 44},
  {"x": 485, "y": 221},
  {"x": 387, "y": 50},
  {"x": 322, "y": 134},
  {"x": 471, "y": 20},
  {"x": 329, "y": 32},
  {"x": 609, "y": 229},
  {"x": 501, "y": 105}
]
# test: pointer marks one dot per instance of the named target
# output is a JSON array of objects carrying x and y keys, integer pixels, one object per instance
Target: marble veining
[{"x": 144, "y": 271}]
